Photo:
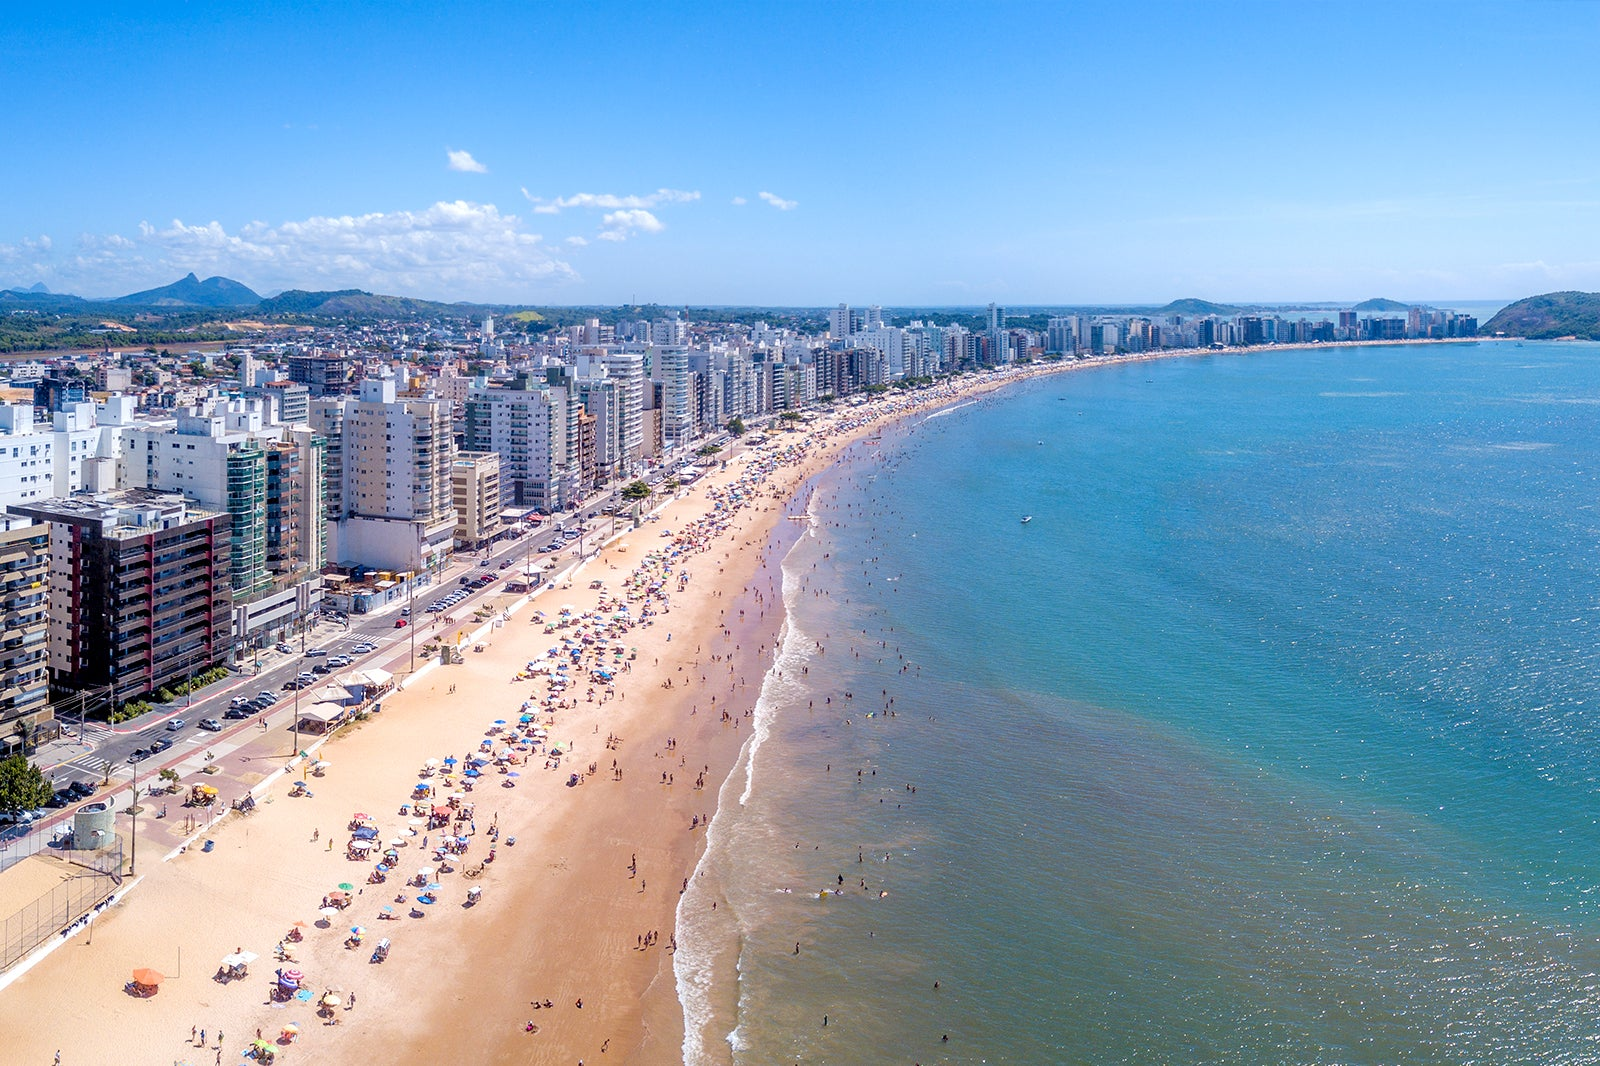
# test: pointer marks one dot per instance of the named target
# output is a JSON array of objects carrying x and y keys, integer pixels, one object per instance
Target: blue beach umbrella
[{"x": 473, "y": 773}]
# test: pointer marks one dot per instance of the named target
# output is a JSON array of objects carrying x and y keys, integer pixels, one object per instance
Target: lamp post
[{"x": 133, "y": 835}]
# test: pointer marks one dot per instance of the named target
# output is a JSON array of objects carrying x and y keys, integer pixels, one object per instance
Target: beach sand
[{"x": 563, "y": 910}]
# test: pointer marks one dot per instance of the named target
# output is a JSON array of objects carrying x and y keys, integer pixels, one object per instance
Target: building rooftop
[{"x": 123, "y": 513}]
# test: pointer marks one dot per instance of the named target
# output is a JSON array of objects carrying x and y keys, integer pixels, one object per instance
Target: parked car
[
  {"x": 285, "y": 649},
  {"x": 175, "y": 725},
  {"x": 364, "y": 648},
  {"x": 504, "y": 563},
  {"x": 81, "y": 789},
  {"x": 405, "y": 611},
  {"x": 238, "y": 714},
  {"x": 211, "y": 725},
  {"x": 58, "y": 800},
  {"x": 269, "y": 697}
]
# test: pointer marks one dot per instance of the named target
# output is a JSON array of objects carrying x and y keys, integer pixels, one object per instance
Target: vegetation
[
  {"x": 130, "y": 710},
  {"x": 1193, "y": 306},
  {"x": 736, "y": 426},
  {"x": 1553, "y": 314},
  {"x": 22, "y": 785},
  {"x": 672, "y": 484},
  {"x": 708, "y": 450},
  {"x": 791, "y": 416},
  {"x": 1379, "y": 303},
  {"x": 636, "y": 491}
]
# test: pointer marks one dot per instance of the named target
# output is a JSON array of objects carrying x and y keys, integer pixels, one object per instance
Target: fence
[{"x": 95, "y": 875}]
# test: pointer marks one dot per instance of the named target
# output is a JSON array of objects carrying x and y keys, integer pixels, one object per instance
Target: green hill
[
  {"x": 1553, "y": 314},
  {"x": 1381, "y": 304},
  {"x": 1193, "y": 306},
  {"x": 190, "y": 291}
]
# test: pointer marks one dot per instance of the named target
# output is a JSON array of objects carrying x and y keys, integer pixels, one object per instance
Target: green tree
[
  {"x": 636, "y": 491},
  {"x": 736, "y": 426},
  {"x": 22, "y": 785},
  {"x": 791, "y": 416},
  {"x": 708, "y": 449},
  {"x": 672, "y": 484}
]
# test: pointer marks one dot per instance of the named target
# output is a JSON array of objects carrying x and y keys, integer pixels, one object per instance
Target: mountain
[
  {"x": 1192, "y": 306},
  {"x": 40, "y": 299},
  {"x": 1554, "y": 314},
  {"x": 359, "y": 302},
  {"x": 190, "y": 291},
  {"x": 1381, "y": 304}
]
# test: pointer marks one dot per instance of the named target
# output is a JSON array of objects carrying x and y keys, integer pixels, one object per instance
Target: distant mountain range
[
  {"x": 190, "y": 291},
  {"x": 1381, "y": 304},
  {"x": 1553, "y": 314}
]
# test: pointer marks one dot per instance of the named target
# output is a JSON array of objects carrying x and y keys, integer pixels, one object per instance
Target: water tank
[{"x": 94, "y": 826}]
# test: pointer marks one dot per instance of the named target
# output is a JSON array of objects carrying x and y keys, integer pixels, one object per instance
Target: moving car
[
  {"x": 364, "y": 648},
  {"x": 400, "y": 623},
  {"x": 159, "y": 745},
  {"x": 175, "y": 725},
  {"x": 312, "y": 653}
]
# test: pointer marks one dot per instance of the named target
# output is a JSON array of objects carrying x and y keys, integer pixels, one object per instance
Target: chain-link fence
[{"x": 94, "y": 875}]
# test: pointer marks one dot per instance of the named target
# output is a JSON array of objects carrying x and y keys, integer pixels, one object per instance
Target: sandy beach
[{"x": 578, "y": 911}]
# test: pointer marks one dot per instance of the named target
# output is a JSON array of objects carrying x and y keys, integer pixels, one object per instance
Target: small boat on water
[{"x": 1027, "y": 518}]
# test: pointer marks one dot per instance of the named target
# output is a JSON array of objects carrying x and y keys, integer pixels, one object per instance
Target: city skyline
[{"x": 916, "y": 156}]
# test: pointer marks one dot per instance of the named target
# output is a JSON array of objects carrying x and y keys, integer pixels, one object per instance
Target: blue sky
[{"x": 920, "y": 153}]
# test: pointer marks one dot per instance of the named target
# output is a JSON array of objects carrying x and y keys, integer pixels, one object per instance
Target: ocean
[{"x": 1272, "y": 736}]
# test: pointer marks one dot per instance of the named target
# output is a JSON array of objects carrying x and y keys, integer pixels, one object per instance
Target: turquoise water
[{"x": 1273, "y": 737}]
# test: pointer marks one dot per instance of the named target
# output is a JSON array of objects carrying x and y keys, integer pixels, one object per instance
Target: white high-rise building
[
  {"x": 394, "y": 466},
  {"x": 528, "y": 426},
  {"x": 839, "y": 322},
  {"x": 677, "y": 407}
]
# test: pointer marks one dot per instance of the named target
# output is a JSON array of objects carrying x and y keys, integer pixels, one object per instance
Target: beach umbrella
[
  {"x": 147, "y": 976},
  {"x": 499, "y": 721},
  {"x": 358, "y": 817},
  {"x": 431, "y": 762},
  {"x": 290, "y": 1029},
  {"x": 345, "y": 886},
  {"x": 358, "y": 930},
  {"x": 513, "y": 773},
  {"x": 415, "y": 821},
  {"x": 397, "y": 843},
  {"x": 331, "y": 1000},
  {"x": 292, "y": 975},
  {"x": 262, "y": 1045},
  {"x": 472, "y": 773},
  {"x": 328, "y": 912},
  {"x": 425, "y": 872},
  {"x": 451, "y": 761}
]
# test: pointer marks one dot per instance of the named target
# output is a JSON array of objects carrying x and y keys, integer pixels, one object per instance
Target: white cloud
[
  {"x": 464, "y": 162},
  {"x": 577, "y": 242},
  {"x": 620, "y": 225},
  {"x": 608, "y": 201},
  {"x": 779, "y": 202},
  {"x": 451, "y": 250},
  {"x": 739, "y": 201}
]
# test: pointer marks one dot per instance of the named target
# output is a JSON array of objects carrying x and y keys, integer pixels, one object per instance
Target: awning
[{"x": 323, "y": 712}]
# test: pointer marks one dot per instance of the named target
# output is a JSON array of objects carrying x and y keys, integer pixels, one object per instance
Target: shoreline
[{"x": 558, "y": 906}]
